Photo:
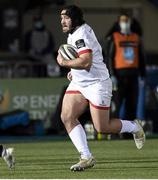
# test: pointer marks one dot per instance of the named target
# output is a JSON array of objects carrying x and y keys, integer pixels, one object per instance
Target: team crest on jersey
[{"x": 80, "y": 43}]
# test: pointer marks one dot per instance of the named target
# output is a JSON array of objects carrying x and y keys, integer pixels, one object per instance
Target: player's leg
[
  {"x": 99, "y": 108},
  {"x": 7, "y": 155},
  {"x": 73, "y": 106},
  {"x": 103, "y": 124},
  {"x": 99, "y": 96}
]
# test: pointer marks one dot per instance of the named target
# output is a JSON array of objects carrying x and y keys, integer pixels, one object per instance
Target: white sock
[
  {"x": 128, "y": 126},
  {"x": 78, "y": 137}
]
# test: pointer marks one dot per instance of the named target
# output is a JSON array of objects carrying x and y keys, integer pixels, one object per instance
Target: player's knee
[{"x": 66, "y": 118}]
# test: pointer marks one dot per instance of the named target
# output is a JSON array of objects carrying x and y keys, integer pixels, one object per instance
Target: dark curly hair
[{"x": 76, "y": 15}]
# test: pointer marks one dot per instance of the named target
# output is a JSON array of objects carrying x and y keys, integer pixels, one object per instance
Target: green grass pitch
[{"x": 52, "y": 159}]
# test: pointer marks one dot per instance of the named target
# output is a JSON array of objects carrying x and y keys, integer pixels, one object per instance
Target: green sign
[{"x": 37, "y": 96}]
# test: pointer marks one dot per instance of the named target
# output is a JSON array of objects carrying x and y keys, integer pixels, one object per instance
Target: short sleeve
[{"x": 82, "y": 43}]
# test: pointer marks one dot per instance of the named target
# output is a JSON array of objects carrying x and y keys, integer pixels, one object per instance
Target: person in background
[
  {"x": 7, "y": 155},
  {"x": 126, "y": 62},
  {"x": 39, "y": 44}
]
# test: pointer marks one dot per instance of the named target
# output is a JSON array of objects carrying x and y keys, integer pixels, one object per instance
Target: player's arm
[{"x": 84, "y": 61}]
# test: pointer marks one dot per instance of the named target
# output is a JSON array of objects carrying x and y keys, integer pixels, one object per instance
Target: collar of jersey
[{"x": 77, "y": 30}]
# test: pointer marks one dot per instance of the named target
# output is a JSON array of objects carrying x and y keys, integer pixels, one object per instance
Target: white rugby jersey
[{"x": 85, "y": 40}]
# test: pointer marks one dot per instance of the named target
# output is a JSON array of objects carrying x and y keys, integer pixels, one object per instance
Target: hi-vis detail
[{"x": 126, "y": 55}]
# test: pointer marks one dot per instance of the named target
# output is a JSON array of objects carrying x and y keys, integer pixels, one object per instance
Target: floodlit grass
[{"x": 115, "y": 159}]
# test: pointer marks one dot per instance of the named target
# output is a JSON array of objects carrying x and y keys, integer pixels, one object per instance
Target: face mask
[{"x": 125, "y": 27}]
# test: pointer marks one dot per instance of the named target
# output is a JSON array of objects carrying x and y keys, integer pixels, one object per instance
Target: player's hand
[
  {"x": 60, "y": 59},
  {"x": 69, "y": 76}
]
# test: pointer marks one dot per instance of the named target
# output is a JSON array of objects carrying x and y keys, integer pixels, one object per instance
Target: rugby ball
[{"x": 68, "y": 51}]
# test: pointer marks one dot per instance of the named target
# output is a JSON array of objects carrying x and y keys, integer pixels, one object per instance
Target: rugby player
[{"x": 90, "y": 85}]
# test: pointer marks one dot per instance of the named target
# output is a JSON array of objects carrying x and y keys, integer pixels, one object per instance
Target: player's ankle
[{"x": 86, "y": 155}]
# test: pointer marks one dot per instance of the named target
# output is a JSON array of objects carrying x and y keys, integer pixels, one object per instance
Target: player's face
[{"x": 66, "y": 22}]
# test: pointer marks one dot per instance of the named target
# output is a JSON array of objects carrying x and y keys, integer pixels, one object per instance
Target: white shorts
[{"x": 98, "y": 94}]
